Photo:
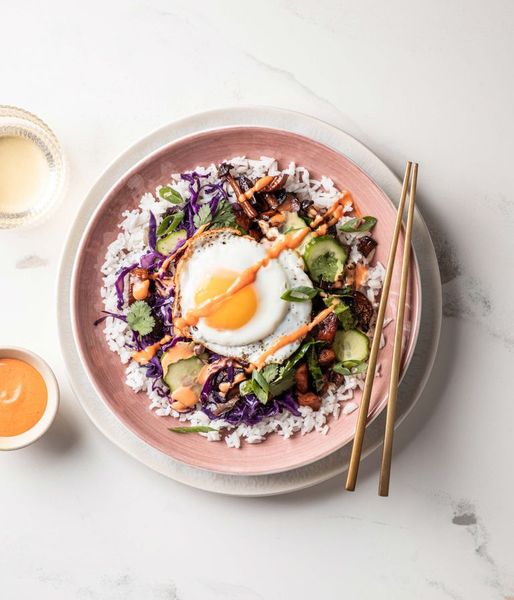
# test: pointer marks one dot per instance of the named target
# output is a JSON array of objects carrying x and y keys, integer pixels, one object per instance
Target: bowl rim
[
  {"x": 28, "y": 437},
  {"x": 148, "y": 158}
]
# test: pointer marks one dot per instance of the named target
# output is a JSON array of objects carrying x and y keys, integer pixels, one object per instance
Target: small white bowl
[{"x": 34, "y": 433}]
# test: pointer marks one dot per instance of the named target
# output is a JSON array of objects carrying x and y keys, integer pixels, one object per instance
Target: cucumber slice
[
  {"x": 325, "y": 258},
  {"x": 292, "y": 223},
  {"x": 167, "y": 244},
  {"x": 351, "y": 347},
  {"x": 182, "y": 373}
]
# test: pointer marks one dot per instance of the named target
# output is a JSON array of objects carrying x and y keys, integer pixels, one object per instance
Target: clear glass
[{"x": 20, "y": 123}]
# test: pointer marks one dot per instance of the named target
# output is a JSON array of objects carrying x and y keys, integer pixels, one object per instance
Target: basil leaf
[
  {"x": 192, "y": 429},
  {"x": 170, "y": 223},
  {"x": 171, "y": 195},
  {"x": 358, "y": 225},
  {"x": 338, "y": 368},
  {"x": 301, "y": 293}
]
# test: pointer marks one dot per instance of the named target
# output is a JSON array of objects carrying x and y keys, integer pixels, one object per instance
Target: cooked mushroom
[
  {"x": 309, "y": 399},
  {"x": 301, "y": 378},
  {"x": 362, "y": 310},
  {"x": 224, "y": 173},
  {"x": 336, "y": 378},
  {"x": 277, "y": 183},
  {"x": 326, "y": 330},
  {"x": 290, "y": 203},
  {"x": 366, "y": 245},
  {"x": 326, "y": 357}
]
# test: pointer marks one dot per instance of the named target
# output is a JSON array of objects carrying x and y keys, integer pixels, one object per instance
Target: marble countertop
[{"x": 429, "y": 81}]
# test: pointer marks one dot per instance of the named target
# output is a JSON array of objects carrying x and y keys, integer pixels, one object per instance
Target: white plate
[{"x": 413, "y": 381}]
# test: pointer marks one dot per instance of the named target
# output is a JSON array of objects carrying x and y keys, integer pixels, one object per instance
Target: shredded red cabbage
[
  {"x": 109, "y": 314},
  {"x": 152, "y": 232},
  {"x": 119, "y": 284}
]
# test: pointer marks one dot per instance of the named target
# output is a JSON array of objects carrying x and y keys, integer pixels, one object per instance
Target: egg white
[{"x": 273, "y": 318}]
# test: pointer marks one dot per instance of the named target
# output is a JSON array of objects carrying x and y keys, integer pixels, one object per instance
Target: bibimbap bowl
[{"x": 299, "y": 439}]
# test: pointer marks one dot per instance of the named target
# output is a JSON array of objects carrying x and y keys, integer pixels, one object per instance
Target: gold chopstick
[
  {"x": 358, "y": 440},
  {"x": 385, "y": 469}
]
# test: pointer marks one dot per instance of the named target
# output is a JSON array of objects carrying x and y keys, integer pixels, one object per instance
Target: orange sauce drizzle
[
  {"x": 257, "y": 187},
  {"x": 145, "y": 356},
  {"x": 361, "y": 272},
  {"x": 141, "y": 289},
  {"x": 288, "y": 242},
  {"x": 289, "y": 338}
]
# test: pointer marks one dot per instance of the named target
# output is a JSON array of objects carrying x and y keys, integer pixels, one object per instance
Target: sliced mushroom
[
  {"x": 224, "y": 173},
  {"x": 277, "y": 183},
  {"x": 366, "y": 245},
  {"x": 290, "y": 203},
  {"x": 362, "y": 310}
]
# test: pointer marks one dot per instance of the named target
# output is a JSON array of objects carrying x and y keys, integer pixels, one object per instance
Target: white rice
[{"x": 131, "y": 243}]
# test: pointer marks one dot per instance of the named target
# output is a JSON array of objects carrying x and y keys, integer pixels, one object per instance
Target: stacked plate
[{"x": 276, "y": 465}]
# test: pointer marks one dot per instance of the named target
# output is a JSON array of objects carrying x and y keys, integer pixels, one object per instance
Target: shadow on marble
[{"x": 64, "y": 435}]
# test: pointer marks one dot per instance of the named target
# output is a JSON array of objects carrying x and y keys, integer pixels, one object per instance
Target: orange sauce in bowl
[{"x": 23, "y": 396}]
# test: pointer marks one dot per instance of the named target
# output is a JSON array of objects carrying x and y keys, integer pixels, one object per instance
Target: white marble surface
[{"x": 430, "y": 81}]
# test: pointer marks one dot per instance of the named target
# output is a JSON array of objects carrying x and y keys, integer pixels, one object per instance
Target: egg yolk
[{"x": 236, "y": 310}]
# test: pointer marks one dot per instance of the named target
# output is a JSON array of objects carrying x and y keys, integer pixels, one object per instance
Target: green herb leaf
[
  {"x": 139, "y": 318},
  {"x": 192, "y": 429},
  {"x": 203, "y": 216},
  {"x": 301, "y": 293},
  {"x": 339, "y": 368},
  {"x": 260, "y": 386},
  {"x": 270, "y": 372},
  {"x": 171, "y": 195},
  {"x": 282, "y": 383},
  {"x": 315, "y": 369},
  {"x": 246, "y": 387},
  {"x": 225, "y": 215},
  {"x": 360, "y": 368},
  {"x": 170, "y": 223},
  {"x": 343, "y": 312},
  {"x": 358, "y": 225}
]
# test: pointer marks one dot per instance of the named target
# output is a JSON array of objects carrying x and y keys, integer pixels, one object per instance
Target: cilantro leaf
[
  {"x": 203, "y": 216},
  {"x": 225, "y": 215},
  {"x": 139, "y": 318}
]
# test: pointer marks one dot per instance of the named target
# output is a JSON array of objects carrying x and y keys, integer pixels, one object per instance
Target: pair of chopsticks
[{"x": 385, "y": 469}]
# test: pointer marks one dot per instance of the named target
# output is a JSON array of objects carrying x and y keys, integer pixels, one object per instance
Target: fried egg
[{"x": 251, "y": 320}]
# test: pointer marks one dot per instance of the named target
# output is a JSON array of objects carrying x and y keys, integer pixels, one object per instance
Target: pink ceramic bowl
[{"x": 107, "y": 373}]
